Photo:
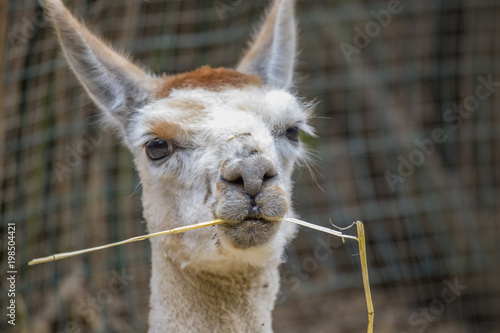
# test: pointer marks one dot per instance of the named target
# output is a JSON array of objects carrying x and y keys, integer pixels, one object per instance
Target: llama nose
[{"x": 251, "y": 172}]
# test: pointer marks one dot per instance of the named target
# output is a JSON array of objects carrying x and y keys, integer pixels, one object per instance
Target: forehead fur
[
  {"x": 212, "y": 79},
  {"x": 167, "y": 130}
]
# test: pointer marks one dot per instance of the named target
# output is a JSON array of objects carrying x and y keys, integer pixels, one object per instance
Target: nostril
[
  {"x": 249, "y": 173},
  {"x": 233, "y": 179},
  {"x": 269, "y": 176},
  {"x": 271, "y": 171},
  {"x": 238, "y": 181}
]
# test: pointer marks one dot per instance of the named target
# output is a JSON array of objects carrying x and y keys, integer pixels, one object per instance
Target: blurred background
[{"x": 408, "y": 119}]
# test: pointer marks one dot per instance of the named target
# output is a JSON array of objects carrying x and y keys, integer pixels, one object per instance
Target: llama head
[{"x": 211, "y": 143}]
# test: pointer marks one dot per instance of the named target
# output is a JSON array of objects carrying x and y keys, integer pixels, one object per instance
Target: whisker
[{"x": 136, "y": 190}]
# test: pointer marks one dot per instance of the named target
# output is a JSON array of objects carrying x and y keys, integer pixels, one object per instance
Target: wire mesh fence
[{"x": 408, "y": 95}]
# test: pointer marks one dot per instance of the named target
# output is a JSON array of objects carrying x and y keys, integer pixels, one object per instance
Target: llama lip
[
  {"x": 248, "y": 219},
  {"x": 259, "y": 220},
  {"x": 250, "y": 232},
  {"x": 254, "y": 212}
]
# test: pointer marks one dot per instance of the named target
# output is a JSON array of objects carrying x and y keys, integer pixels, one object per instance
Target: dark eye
[
  {"x": 158, "y": 149},
  {"x": 292, "y": 133}
]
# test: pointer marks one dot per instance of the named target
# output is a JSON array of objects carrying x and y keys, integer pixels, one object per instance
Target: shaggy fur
[{"x": 227, "y": 155}]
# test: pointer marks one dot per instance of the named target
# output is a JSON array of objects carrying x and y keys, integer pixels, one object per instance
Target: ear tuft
[{"x": 272, "y": 53}]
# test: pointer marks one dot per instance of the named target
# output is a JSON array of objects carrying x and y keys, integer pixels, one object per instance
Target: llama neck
[{"x": 186, "y": 300}]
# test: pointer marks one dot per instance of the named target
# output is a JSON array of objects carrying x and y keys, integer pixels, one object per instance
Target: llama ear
[
  {"x": 272, "y": 53},
  {"x": 115, "y": 84}
]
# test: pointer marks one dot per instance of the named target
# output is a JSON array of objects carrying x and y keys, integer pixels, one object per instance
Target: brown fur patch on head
[
  {"x": 191, "y": 111},
  {"x": 213, "y": 79},
  {"x": 186, "y": 105},
  {"x": 167, "y": 130}
]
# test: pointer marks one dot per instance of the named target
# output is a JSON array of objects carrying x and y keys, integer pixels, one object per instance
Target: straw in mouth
[{"x": 360, "y": 238}]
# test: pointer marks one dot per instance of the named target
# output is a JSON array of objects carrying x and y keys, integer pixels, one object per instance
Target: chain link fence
[{"x": 408, "y": 119}]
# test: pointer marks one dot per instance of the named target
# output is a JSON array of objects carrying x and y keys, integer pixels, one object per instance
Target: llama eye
[
  {"x": 158, "y": 149},
  {"x": 292, "y": 133}
]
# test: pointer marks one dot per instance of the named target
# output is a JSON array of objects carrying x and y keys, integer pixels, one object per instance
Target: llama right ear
[
  {"x": 115, "y": 84},
  {"x": 272, "y": 52}
]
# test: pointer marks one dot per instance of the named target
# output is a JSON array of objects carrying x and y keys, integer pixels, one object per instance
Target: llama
[{"x": 210, "y": 143}]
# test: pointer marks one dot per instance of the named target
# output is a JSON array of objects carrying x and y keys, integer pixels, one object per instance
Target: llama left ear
[
  {"x": 115, "y": 84},
  {"x": 272, "y": 52}
]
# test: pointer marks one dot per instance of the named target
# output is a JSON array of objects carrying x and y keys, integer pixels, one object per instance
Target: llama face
[
  {"x": 220, "y": 152},
  {"x": 212, "y": 143}
]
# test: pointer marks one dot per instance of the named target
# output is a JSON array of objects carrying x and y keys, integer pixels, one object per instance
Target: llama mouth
[
  {"x": 251, "y": 232},
  {"x": 253, "y": 221}
]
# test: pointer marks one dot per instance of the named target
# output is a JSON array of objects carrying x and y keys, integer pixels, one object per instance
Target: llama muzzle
[{"x": 251, "y": 198}]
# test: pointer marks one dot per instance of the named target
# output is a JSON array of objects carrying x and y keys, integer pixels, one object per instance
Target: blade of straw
[
  {"x": 64, "y": 255},
  {"x": 364, "y": 270},
  {"x": 320, "y": 228},
  {"x": 360, "y": 239},
  {"x": 362, "y": 254}
]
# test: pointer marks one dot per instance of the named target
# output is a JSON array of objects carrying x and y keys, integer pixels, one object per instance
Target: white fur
[{"x": 230, "y": 113}]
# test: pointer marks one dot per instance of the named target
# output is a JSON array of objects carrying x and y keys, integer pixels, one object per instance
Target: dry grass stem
[
  {"x": 64, "y": 255},
  {"x": 364, "y": 270},
  {"x": 360, "y": 238},
  {"x": 320, "y": 228},
  {"x": 362, "y": 256}
]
